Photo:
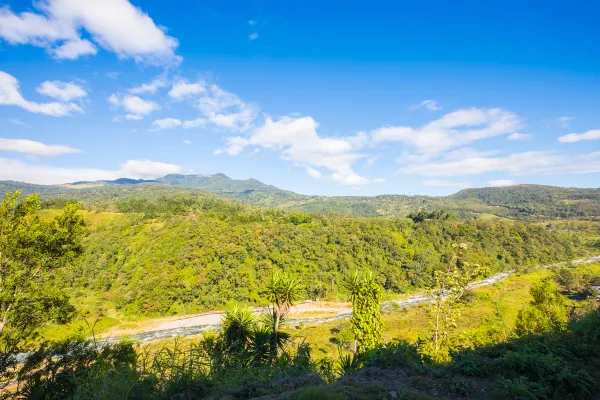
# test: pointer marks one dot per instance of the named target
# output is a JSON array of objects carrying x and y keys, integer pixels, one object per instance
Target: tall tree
[
  {"x": 367, "y": 324},
  {"x": 31, "y": 248},
  {"x": 546, "y": 310},
  {"x": 283, "y": 292},
  {"x": 451, "y": 284}
]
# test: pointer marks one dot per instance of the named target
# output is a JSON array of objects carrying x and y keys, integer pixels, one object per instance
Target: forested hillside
[
  {"x": 184, "y": 254},
  {"x": 536, "y": 200},
  {"x": 524, "y": 202}
]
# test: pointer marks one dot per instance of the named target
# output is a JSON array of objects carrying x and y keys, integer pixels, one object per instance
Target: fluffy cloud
[
  {"x": 299, "y": 142},
  {"x": 594, "y": 134},
  {"x": 115, "y": 25},
  {"x": 216, "y": 106},
  {"x": 74, "y": 49},
  {"x": 64, "y": 91},
  {"x": 430, "y": 105},
  {"x": 531, "y": 162},
  {"x": 10, "y": 95},
  {"x": 501, "y": 182},
  {"x": 452, "y": 130},
  {"x": 136, "y": 107},
  {"x": 166, "y": 123},
  {"x": 11, "y": 169},
  {"x": 253, "y": 36},
  {"x": 183, "y": 88},
  {"x": 446, "y": 183},
  {"x": 34, "y": 148}
]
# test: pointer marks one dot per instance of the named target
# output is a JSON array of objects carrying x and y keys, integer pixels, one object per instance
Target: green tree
[
  {"x": 367, "y": 324},
  {"x": 546, "y": 311},
  {"x": 451, "y": 284},
  {"x": 31, "y": 248},
  {"x": 283, "y": 292},
  {"x": 238, "y": 327}
]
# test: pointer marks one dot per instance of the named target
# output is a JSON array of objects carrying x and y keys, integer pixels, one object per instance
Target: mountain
[
  {"x": 250, "y": 190},
  {"x": 534, "y": 202}
]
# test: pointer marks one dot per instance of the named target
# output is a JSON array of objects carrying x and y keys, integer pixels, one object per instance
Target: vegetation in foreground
[{"x": 551, "y": 354}]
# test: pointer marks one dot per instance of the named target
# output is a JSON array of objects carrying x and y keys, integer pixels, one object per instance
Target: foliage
[
  {"x": 365, "y": 294},
  {"x": 546, "y": 311},
  {"x": 283, "y": 292},
  {"x": 31, "y": 248},
  {"x": 451, "y": 285}
]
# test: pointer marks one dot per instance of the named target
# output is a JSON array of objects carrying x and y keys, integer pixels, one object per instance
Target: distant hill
[
  {"x": 250, "y": 190},
  {"x": 534, "y": 202}
]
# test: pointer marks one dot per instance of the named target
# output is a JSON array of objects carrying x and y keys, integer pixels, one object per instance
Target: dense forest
[{"x": 185, "y": 254}]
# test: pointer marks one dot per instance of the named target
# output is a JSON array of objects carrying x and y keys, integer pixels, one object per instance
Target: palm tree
[
  {"x": 283, "y": 292},
  {"x": 238, "y": 326}
]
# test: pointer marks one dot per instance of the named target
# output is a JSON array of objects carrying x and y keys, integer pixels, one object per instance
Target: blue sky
[{"x": 370, "y": 98}]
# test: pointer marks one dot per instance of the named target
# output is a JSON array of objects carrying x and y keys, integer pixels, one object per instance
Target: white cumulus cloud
[
  {"x": 115, "y": 25},
  {"x": 135, "y": 106},
  {"x": 593, "y": 134},
  {"x": 10, "y": 95},
  {"x": 166, "y": 123},
  {"x": 298, "y": 141},
  {"x": 455, "y": 129},
  {"x": 35, "y": 148},
  {"x": 64, "y": 91}
]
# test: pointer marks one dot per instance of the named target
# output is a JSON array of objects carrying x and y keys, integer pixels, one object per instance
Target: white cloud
[
  {"x": 501, "y": 182},
  {"x": 593, "y": 134},
  {"x": 520, "y": 136},
  {"x": 11, "y": 169},
  {"x": 564, "y": 122},
  {"x": 136, "y": 107},
  {"x": 10, "y": 95},
  {"x": 252, "y": 22},
  {"x": 299, "y": 142},
  {"x": 430, "y": 105},
  {"x": 74, "y": 49},
  {"x": 446, "y": 183},
  {"x": 183, "y": 88},
  {"x": 34, "y": 148},
  {"x": 455, "y": 129},
  {"x": 64, "y": 91},
  {"x": 115, "y": 25},
  {"x": 314, "y": 173},
  {"x": 531, "y": 162},
  {"x": 166, "y": 123},
  {"x": 195, "y": 123},
  {"x": 150, "y": 87},
  {"x": 217, "y": 107},
  {"x": 253, "y": 36},
  {"x": 187, "y": 142}
]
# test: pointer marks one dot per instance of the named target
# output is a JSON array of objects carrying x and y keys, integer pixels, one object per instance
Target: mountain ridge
[{"x": 517, "y": 201}]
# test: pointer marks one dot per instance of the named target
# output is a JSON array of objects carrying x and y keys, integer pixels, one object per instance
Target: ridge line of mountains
[{"x": 515, "y": 202}]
